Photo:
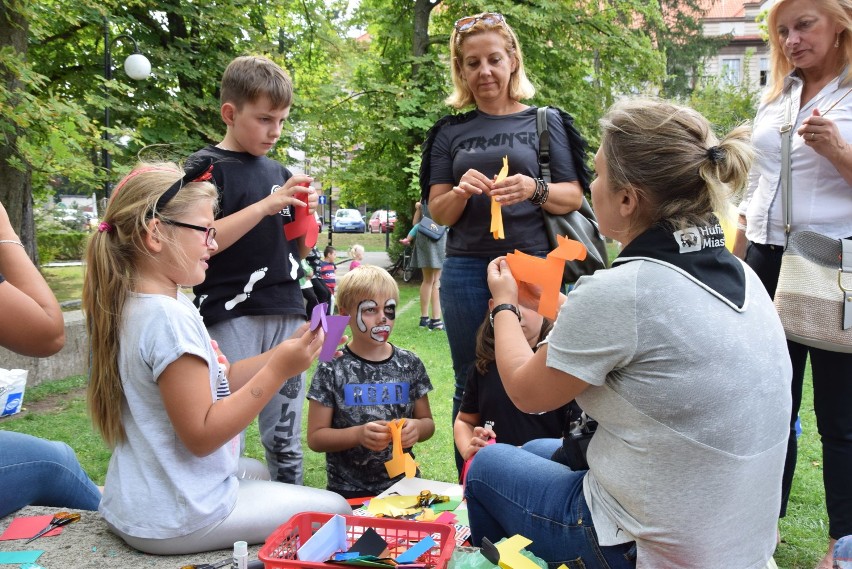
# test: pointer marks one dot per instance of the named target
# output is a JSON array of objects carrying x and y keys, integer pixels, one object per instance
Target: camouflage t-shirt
[{"x": 360, "y": 391}]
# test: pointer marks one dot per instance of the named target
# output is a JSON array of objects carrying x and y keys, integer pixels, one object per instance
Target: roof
[{"x": 724, "y": 8}]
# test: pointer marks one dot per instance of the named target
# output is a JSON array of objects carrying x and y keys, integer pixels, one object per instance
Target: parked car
[
  {"x": 382, "y": 221},
  {"x": 348, "y": 221}
]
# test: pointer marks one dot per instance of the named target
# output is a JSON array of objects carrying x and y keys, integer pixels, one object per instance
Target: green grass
[
  {"x": 65, "y": 282},
  {"x": 804, "y": 530}
]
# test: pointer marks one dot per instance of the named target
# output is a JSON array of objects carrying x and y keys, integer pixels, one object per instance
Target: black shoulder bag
[{"x": 580, "y": 225}]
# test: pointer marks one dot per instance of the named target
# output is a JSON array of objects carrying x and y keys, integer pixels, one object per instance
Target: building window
[
  {"x": 731, "y": 71},
  {"x": 764, "y": 71}
]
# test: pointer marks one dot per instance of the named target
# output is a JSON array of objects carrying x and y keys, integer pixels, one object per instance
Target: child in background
[
  {"x": 356, "y": 252},
  {"x": 251, "y": 300},
  {"x": 307, "y": 285},
  {"x": 418, "y": 215},
  {"x": 486, "y": 411},
  {"x": 176, "y": 483},
  {"x": 353, "y": 398},
  {"x": 327, "y": 268}
]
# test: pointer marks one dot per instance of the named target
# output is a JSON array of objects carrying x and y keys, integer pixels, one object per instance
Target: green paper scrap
[
  {"x": 19, "y": 557},
  {"x": 365, "y": 561},
  {"x": 448, "y": 506},
  {"x": 461, "y": 518}
]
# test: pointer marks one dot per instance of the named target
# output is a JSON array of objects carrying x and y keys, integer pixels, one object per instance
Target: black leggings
[{"x": 832, "y": 386}]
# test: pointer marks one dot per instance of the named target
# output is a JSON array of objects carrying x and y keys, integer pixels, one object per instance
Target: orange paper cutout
[
  {"x": 496, "y": 211},
  {"x": 400, "y": 462},
  {"x": 547, "y": 272}
]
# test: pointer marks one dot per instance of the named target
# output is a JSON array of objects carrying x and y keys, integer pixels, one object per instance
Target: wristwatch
[{"x": 500, "y": 307}]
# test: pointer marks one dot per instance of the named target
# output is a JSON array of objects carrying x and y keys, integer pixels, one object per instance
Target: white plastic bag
[{"x": 13, "y": 382}]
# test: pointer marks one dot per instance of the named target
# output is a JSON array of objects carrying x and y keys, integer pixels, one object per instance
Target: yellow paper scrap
[
  {"x": 496, "y": 211},
  {"x": 400, "y": 461},
  {"x": 427, "y": 515},
  {"x": 510, "y": 553},
  {"x": 392, "y": 506}
]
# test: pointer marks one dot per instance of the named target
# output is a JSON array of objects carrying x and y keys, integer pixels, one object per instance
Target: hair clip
[
  {"x": 105, "y": 227},
  {"x": 200, "y": 171}
]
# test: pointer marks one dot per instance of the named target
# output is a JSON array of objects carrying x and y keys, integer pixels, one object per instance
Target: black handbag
[
  {"x": 576, "y": 439},
  {"x": 580, "y": 225}
]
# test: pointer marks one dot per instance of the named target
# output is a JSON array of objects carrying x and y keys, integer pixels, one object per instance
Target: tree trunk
[
  {"x": 15, "y": 185},
  {"x": 420, "y": 41}
]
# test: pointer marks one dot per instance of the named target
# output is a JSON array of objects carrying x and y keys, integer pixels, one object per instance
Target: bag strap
[
  {"x": 543, "y": 143},
  {"x": 786, "y": 168}
]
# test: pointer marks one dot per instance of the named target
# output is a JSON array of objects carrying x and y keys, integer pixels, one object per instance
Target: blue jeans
[
  {"x": 464, "y": 303},
  {"x": 38, "y": 472},
  {"x": 543, "y": 447},
  {"x": 511, "y": 491}
]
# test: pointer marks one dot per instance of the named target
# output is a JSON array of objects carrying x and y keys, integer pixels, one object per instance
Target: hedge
[{"x": 61, "y": 246}]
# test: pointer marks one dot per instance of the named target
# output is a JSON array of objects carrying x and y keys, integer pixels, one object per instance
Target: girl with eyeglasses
[
  {"x": 176, "y": 483},
  {"x": 461, "y": 157}
]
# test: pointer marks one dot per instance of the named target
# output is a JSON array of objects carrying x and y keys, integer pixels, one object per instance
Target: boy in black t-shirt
[{"x": 251, "y": 300}]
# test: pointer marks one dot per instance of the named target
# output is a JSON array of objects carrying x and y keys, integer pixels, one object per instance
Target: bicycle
[{"x": 403, "y": 265}]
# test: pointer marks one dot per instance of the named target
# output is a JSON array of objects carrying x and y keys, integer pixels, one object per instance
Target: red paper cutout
[{"x": 303, "y": 223}]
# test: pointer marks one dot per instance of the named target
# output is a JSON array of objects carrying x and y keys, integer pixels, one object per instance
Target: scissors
[{"x": 59, "y": 519}]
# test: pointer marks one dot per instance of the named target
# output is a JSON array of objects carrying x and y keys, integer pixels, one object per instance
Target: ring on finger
[{"x": 813, "y": 135}]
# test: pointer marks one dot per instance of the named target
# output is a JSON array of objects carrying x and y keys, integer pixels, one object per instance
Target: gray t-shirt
[
  {"x": 693, "y": 402},
  {"x": 155, "y": 488}
]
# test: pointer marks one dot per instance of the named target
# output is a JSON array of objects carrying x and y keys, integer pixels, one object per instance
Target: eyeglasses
[
  {"x": 209, "y": 232},
  {"x": 490, "y": 18}
]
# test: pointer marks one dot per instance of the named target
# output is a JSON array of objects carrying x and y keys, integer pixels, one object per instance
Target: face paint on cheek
[
  {"x": 363, "y": 306},
  {"x": 390, "y": 309}
]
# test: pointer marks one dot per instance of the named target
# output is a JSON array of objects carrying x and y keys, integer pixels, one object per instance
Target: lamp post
[{"x": 137, "y": 67}]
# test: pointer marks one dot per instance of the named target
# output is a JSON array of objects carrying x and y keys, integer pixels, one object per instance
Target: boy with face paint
[{"x": 353, "y": 398}]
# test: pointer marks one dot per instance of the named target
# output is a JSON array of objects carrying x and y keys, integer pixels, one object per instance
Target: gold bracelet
[{"x": 12, "y": 241}]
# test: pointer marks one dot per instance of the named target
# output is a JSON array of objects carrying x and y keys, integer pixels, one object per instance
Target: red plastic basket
[{"x": 279, "y": 551}]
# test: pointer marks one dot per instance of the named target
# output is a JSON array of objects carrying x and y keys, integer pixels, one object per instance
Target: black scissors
[{"x": 59, "y": 519}]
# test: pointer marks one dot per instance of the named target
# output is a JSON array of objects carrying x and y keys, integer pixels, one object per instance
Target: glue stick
[{"x": 240, "y": 555}]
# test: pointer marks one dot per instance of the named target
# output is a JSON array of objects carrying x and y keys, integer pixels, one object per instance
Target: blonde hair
[
  {"x": 670, "y": 156},
  {"x": 250, "y": 77},
  {"x": 356, "y": 249},
  {"x": 111, "y": 257},
  {"x": 839, "y": 11},
  {"x": 519, "y": 86},
  {"x": 368, "y": 281}
]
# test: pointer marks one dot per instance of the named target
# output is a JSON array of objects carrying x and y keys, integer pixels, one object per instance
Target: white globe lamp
[{"x": 137, "y": 67}]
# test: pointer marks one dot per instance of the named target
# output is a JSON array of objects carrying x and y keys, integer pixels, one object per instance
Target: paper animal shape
[
  {"x": 496, "y": 211},
  {"x": 333, "y": 326},
  {"x": 303, "y": 223},
  {"x": 547, "y": 272},
  {"x": 400, "y": 461}
]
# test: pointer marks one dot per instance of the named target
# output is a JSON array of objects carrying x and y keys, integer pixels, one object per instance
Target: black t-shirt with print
[{"x": 259, "y": 274}]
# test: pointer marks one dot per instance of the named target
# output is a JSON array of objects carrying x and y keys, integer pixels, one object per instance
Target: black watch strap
[{"x": 501, "y": 307}]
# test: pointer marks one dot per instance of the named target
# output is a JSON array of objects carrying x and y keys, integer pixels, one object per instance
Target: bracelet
[
  {"x": 741, "y": 226},
  {"x": 500, "y": 308},
  {"x": 541, "y": 192},
  {"x": 12, "y": 241}
]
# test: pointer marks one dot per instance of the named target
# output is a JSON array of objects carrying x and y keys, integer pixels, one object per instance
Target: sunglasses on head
[{"x": 491, "y": 18}]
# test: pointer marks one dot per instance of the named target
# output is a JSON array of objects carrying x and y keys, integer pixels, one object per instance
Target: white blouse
[{"x": 821, "y": 198}]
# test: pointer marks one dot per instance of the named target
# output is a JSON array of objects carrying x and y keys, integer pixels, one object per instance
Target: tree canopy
[{"x": 362, "y": 104}]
